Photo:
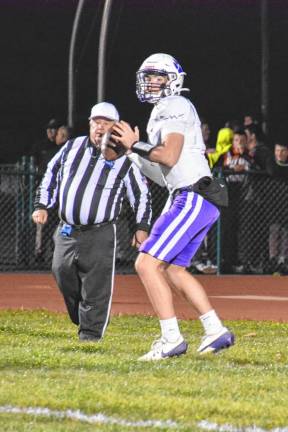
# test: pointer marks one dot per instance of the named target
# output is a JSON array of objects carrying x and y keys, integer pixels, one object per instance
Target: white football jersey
[{"x": 177, "y": 114}]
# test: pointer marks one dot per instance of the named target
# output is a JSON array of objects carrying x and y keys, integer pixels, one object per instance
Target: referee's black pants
[{"x": 83, "y": 266}]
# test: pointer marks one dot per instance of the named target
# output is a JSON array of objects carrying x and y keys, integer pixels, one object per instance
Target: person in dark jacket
[
  {"x": 258, "y": 150},
  {"x": 278, "y": 230},
  {"x": 47, "y": 148}
]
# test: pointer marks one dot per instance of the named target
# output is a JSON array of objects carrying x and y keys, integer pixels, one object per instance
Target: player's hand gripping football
[
  {"x": 109, "y": 148},
  {"x": 123, "y": 133}
]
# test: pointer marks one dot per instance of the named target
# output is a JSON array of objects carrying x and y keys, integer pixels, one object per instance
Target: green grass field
[{"x": 44, "y": 366}]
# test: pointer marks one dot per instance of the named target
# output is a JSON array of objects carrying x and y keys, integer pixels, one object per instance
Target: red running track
[{"x": 234, "y": 297}]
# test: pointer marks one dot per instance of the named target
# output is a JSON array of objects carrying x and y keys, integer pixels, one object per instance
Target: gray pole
[
  {"x": 102, "y": 51},
  {"x": 71, "y": 71},
  {"x": 265, "y": 66}
]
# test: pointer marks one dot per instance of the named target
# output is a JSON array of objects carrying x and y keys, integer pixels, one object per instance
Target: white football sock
[
  {"x": 211, "y": 322},
  {"x": 170, "y": 329}
]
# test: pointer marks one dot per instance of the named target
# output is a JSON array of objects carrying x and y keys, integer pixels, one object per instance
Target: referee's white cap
[{"x": 104, "y": 109}]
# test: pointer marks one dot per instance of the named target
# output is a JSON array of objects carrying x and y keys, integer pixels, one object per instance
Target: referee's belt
[{"x": 84, "y": 227}]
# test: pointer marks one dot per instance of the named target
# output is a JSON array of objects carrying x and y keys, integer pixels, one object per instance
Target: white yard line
[
  {"x": 80, "y": 416},
  {"x": 208, "y": 426},
  {"x": 250, "y": 297},
  {"x": 103, "y": 419}
]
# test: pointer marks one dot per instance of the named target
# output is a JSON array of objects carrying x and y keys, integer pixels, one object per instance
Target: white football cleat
[
  {"x": 161, "y": 349},
  {"x": 216, "y": 342}
]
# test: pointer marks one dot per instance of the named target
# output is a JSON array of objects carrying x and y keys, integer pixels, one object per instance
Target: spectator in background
[
  {"x": 281, "y": 153},
  {"x": 256, "y": 201},
  {"x": 281, "y": 159},
  {"x": 206, "y": 132},
  {"x": 223, "y": 144},
  {"x": 51, "y": 130},
  {"x": 249, "y": 119},
  {"x": 56, "y": 136},
  {"x": 64, "y": 133},
  {"x": 203, "y": 262},
  {"x": 278, "y": 231},
  {"x": 237, "y": 158},
  {"x": 234, "y": 125},
  {"x": 236, "y": 162},
  {"x": 47, "y": 148},
  {"x": 258, "y": 150}
]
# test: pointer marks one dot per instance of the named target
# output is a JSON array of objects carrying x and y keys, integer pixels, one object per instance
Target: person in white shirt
[{"x": 174, "y": 156}]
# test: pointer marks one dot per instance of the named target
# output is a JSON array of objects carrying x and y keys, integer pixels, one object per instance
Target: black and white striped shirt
[{"x": 89, "y": 190}]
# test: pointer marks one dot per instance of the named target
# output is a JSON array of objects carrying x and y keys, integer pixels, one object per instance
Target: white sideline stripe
[
  {"x": 80, "y": 416},
  {"x": 252, "y": 297},
  {"x": 112, "y": 281},
  {"x": 38, "y": 287},
  {"x": 206, "y": 425}
]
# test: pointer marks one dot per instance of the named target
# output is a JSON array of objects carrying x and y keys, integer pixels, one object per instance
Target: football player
[{"x": 175, "y": 156}]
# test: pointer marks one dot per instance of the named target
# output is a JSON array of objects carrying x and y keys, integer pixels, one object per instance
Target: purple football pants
[{"x": 178, "y": 233}]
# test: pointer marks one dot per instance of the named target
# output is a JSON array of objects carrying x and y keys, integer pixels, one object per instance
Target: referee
[{"x": 88, "y": 191}]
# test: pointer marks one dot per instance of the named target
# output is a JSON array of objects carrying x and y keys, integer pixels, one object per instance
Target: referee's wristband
[{"x": 142, "y": 148}]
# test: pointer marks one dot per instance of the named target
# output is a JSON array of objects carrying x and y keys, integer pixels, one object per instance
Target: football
[{"x": 110, "y": 148}]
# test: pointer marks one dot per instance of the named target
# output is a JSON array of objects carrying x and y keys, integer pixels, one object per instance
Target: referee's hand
[
  {"x": 139, "y": 238},
  {"x": 40, "y": 216}
]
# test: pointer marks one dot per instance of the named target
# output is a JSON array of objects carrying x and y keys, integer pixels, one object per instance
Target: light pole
[
  {"x": 101, "y": 59},
  {"x": 265, "y": 66},
  {"x": 71, "y": 71},
  {"x": 102, "y": 51}
]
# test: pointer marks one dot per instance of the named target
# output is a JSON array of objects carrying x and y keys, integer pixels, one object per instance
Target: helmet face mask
[{"x": 159, "y": 65}]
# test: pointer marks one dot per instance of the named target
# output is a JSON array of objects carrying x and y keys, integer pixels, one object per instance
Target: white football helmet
[{"x": 164, "y": 65}]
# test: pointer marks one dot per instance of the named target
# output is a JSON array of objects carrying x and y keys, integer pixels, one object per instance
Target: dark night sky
[{"x": 217, "y": 42}]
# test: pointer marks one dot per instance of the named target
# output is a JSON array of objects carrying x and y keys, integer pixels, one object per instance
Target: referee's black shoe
[{"x": 84, "y": 337}]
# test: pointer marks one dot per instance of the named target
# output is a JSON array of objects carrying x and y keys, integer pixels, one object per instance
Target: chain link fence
[{"x": 251, "y": 236}]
